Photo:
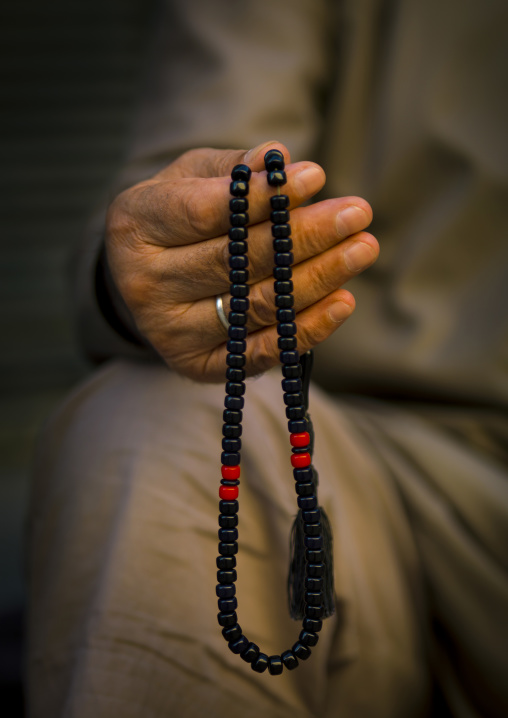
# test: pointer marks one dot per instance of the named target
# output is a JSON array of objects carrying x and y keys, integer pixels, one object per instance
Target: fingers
[
  {"x": 206, "y": 162},
  {"x": 315, "y": 229},
  {"x": 315, "y": 324},
  {"x": 188, "y": 210},
  {"x": 314, "y": 281}
]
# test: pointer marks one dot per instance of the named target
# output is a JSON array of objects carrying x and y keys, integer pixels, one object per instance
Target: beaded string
[{"x": 300, "y": 429}]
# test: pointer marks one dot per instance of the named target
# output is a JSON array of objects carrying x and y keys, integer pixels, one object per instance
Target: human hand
[{"x": 167, "y": 251}]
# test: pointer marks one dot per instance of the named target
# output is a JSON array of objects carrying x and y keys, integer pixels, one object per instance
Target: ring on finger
[{"x": 219, "y": 306}]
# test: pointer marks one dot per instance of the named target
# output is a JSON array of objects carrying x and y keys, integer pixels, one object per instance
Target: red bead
[
  {"x": 300, "y": 461},
  {"x": 302, "y": 439},
  {"x": 228, "y": 493},
  {"x": 230, "y": 472}
]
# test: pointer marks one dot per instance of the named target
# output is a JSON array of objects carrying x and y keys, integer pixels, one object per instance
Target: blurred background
[{"x": 71, "y": 73}]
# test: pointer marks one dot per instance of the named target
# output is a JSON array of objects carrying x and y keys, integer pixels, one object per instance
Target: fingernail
[
  {"x": 339, "y": 312},
  {"x": 347, "y": 220},
  {"x": 358, "y": 256},
  {"x": 308, "y": 181}
]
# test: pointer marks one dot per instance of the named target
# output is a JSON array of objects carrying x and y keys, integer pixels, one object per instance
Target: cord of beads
[{"x": 299, "y": 436}]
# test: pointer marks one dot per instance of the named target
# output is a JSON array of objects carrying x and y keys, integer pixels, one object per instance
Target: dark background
[{"x": 70, "y": 76}]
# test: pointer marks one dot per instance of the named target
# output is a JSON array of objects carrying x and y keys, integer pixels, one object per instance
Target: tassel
[{"x": 297, "y": 561}]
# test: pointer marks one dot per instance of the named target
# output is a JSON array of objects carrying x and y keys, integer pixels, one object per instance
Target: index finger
[{"x": 189, "y": 210}]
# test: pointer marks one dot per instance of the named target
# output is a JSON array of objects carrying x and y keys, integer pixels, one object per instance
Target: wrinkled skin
[{"x": 167, "y": 250}]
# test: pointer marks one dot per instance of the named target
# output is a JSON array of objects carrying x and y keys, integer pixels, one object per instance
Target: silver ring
[{"x": 219, "y": 306}]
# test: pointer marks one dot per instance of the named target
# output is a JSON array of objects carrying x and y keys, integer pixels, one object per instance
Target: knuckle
[
  {"x": 263, "y": 354},
  {"x": 261, "y": 311}
]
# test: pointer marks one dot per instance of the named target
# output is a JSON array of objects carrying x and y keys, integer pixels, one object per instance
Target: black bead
[
  {"x": 238, "y": 261},
  {"x": 239, "y": 219},
  {"x": 283, "y": 259},
  {"x": 303, "y": 474},
  {"x": 313, "y": 584},
  {"x": 314, "y": 556},
  {"x": 236, "y": 346},
  {"x": 235, "y": 388},
  {"x": 302, "y": 652},
  {"x": 238, "y": 247},
  {"x": 285, "y": 315},
  {"x": 239, "y": 290},
  {"x": 284, "y": 301},
  {"x": 228, "y": 549},
  {"x": 227, "y": 605},
  {"x": 225, "y": 590},
  {"x": 310, "y": 517},
  {"x": 282, "y": 245},
  {"x": 228, "y": 536},
  {"x": 233, "y": 374},
  {"x": 239, "y": 304},
  {"x": 287, "y": 343},
  {"x": 300, "y": 449},
  {"x": 283, "y": 288},
  {"x": 291, "y": 357},
  {"x": 313, "y": 625},
  {"x": 313, "y": 542},
  {"x": 313, "y": 598},
  {"x": 232, "y": 431},
  {"x": 238, "y": 235},
  {"x": 315, "y": 570},
  {"x": 232, "y": 633},
  {"x": 228, "y": 522},
  {"x": 229, "y": 482},
  {"x": 312, "y": 529},
  {"x": 236, "y": 332},
  {"x": 226, "y": 620},
  {"x": 292, "y": 371},
  {"x": 233, "y": 402},
  {"x": 239, "y": 319},
  {"x": 288, "y": 329},
  {"x": 307, "y": 502},
  {"x": 295, "y": 412},
  {"x": 235, "y": 360},
  {"x": 306, "y": 489},
  {"x": 275, "y": 665},
  {"x": 239, "y": 276},
  {"x": 276, "y": 178},
  {"x": 294, "y": 399},
  {"x": 314, "y": 611},
  {"x": 274, "y": 160},
  {"x": 260, "y": 664},
  {"x": 292, "y": 386},
  {"x": 289, "y": 660},
  {"x": 229, "y": 508},
  {"x": 231, "y": 445},
  {"x": 250, "y": 653},
  {"x": 239, "y": 188},
  {"x": 296, "y": 426},
  {"x": 279, "y": 201},
  {"x": 226, "y": 563},
  {"x": 238, "y": 204},
  {"x": 230, "y": 458},
  {"x": 239, "y": 645},
  {"x": 279, "y": 216},
  {"x": 281, "y": 231},
  {"x": 241, "y": 173},
  {"x": 308, "y": 639},
  {"x": 282, "y": 274}
]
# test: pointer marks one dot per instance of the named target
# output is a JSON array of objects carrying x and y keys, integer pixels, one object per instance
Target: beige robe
[{"x": 404, "y": 103}]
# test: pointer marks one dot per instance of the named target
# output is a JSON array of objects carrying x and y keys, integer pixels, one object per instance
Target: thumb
[{"x": 207, "y": 162}]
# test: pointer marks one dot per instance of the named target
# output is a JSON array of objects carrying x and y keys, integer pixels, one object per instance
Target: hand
[{"x": 167, "y": 250}]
